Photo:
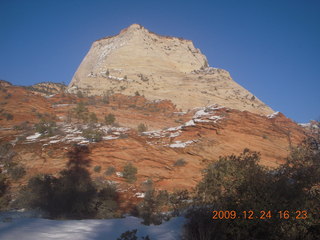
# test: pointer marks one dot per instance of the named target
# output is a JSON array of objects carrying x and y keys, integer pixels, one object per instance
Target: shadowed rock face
[{"x": 159, "y": 67}]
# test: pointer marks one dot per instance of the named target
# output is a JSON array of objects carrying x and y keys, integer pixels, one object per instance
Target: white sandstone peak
[{"x": 159, "y": 67}]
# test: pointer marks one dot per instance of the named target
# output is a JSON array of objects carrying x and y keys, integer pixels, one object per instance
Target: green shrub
[
  {"x": 143, "y": 77},
  {"x": 72, "y": 194},
  {"x": 39, "y": 115},
  {"x": 79, "y": 94},
  {"x": 137, "y": 93},
  {"x": 239, "y": 183},
  {"x": 4, "y": 185},
  {"x": 105, "y": 99},
  {"x": 93, "y": 135},
  {"x": 147, "y": 185},
  {"x": 9, "y": 116},
  {"x": 7, "y": 155},
  {"x": 131, "y": 235},
  {"x": 152, "y": 205},
  {"x": 16, "y": 172},
  {"x": 22, "y": 138},
  {"x": 45, "y": 127},
  {"x": 93, "y": 118},
  {"x": 123, "y": 136},
  {"x": 81, "y": 112},
  {"x": 22, "y": 126},
  {"x": 6, "y": 152},
  {"x": 129, "y": 173},
  {"x": 110, "y": 119},
  {"x": 106, "y": 202},
  {"x": 110, "y": 170},
  {"x": 97, "y": 169},
  {"x": 179, "y": 201},
  {"x": 142, "y": 128},
  {"x": 9, "y": 95},
  {"x": 180, "y": 163}
]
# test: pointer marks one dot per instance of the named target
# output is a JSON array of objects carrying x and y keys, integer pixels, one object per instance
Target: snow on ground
[
  {"x": 175, "y": 134},
  {"x": 116, "y": 78},
  {"x": 73, "y": 133},
  {"x": 154, "y": 134},
  {"x": 310, "y": 125},
  {"x": 109, "y": 138},
  {"x": 62, "y": 105},
  {"x": 202, "y": 120},
  {"x": 174, "y": 128},
  {"x": 304, "y": 124},
  {"x": 108, "y": 129},
  {"x": 33, "y": 137},
  {"x": 207, "y": 114},
  {"x": 119, "y": 78},
  {"x": 202, "y": 115},
  {"x": 106, "y": 229},
  {"x": 180, "y": 113},
  {"x": 273, "y": 115},
  {"x": 215, "y": 118},
  {"x": 189, "y": 123},
  {"x": 140, "y": 195},
  {"x": 179, "y": 144}
]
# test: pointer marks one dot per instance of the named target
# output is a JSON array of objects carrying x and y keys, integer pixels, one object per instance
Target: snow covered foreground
[{"x": 108, "y": 229}]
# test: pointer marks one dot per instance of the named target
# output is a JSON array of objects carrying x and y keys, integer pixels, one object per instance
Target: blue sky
[{"x": 270, "y": 47}]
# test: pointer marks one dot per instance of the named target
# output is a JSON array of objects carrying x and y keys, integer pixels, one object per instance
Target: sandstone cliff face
[
  {"x": 198, "y": 137},
  {"x": 159, "y": 68}
]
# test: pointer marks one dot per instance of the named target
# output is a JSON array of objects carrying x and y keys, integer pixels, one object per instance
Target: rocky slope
[
  {"x": 198, "y": 137},
  {"x": 159, "y": 67},
  {"x": 47, "y": 88},
  {"x": 4, "y": 83}
]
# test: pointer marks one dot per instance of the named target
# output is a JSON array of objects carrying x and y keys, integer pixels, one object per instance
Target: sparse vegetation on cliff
[
  {"x": 142, "y": 128},
  {"x": 110, "y": 171},
  {"x": 92, "y": 134},
  {"x": 253, "y": 202},
  {"x": 130, "y": 172},
  {"x": 110, "y": 119},
  {"x": 46, "y": 128},
  {"x": 180, "y": 163}
]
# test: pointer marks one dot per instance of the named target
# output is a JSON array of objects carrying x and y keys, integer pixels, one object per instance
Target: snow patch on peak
[{"x": 273, "y": 115}]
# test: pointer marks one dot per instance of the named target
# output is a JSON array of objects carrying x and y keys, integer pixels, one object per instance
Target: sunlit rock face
[{"x": 159, "y": 67}]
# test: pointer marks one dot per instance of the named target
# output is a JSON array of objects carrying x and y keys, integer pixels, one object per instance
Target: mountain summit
[{"x": 159, "y": 67}]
